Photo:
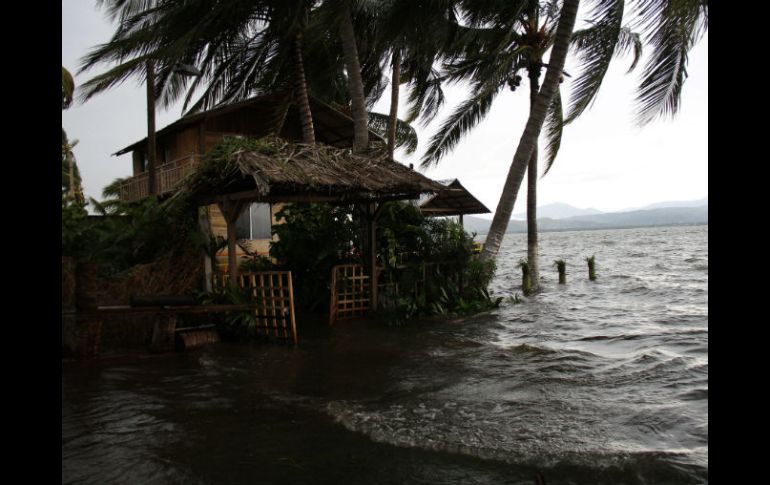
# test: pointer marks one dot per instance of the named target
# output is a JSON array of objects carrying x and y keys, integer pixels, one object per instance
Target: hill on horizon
[{"x": 665, "y": 216}]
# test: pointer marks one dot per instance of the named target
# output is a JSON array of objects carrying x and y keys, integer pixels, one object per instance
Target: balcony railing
[{"x": 167, "y": 175}]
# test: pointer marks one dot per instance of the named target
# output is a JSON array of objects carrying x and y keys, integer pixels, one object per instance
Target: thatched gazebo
[
  {"x": 271, "y": 169},
  {"x": 452, "y": 200}
]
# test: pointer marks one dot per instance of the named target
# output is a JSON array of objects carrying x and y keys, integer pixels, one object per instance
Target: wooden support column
[
  {"x": 373, "y": 263},
  {"x": 461, "y": 221},
  {"x": 374, "y": 214},
  {"x": 231, "y": 210},
  {"x": 203, "y": 222}
]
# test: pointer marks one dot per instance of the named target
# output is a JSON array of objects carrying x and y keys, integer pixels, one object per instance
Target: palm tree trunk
[
  {"x": 151, "y": 145},
  {"x": 355, "y": 83},
  {"x": 394, "y": 82},
  {"x": 71, "y": 168},
  {"x": 301, "y": 97},
  {"x": 532, "y": 130},
  {"x": 532, "y": 253}
]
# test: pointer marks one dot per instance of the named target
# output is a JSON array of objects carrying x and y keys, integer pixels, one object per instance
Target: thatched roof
[
  {"x": 263, "y": 115},
  {"x": 452, "y": 200},
  {"x": 274, "y": 170}
]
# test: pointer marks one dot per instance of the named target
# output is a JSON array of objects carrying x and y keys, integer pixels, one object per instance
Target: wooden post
[
  {"x": 151, "y": 145},
  {"x": 203, "y": 222},
  {"x": 232, "y": 260},
  {"x": 231, "y": 210},
  {"x": 526, "y": 286},
  {"x": 461, "y": 221},
  {"x": 373, "y": 256},
  {"x": 561, "y": 266},
  {"x": 591, "y": 268},
  {"x": 291, "y": 305}
]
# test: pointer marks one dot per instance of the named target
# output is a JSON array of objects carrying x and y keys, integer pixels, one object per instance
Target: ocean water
[{"x": 588, "y": 382}]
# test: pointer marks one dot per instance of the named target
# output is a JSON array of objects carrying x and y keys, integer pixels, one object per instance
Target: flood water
[{"x": 602, "y": 382}]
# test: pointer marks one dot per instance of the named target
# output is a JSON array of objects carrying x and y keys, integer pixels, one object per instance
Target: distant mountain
[
  {"x": 558, "y": 210},
  {"x": 668, "y": 216},
  {"x": 672, "y": 203}
]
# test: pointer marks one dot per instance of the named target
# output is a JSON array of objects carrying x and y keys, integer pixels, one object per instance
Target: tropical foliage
[
  {"x": 340, "y": 52},
  {"x": 311, "y": 239}
]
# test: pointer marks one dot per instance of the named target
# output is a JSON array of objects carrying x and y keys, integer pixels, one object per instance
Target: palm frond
[
  {"x": 595, "y": 48},
  {"x": 113, "y": 77},
  {"x": 67, "y": 88},
  {"x": 554, "y": 126},
  {"x": 426, "y": 97},
  {"x": 406, "y": 136},
  {"x": 629, "y": 43},
  {"x": 462, "y": 120},
  {"x": 671, "y": 28}
]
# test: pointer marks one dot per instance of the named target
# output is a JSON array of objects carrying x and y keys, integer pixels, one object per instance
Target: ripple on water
[{"x": 602, "y": 382}]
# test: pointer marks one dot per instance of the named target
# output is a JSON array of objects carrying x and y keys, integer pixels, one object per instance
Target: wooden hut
[{"x": 182, "y": 144}]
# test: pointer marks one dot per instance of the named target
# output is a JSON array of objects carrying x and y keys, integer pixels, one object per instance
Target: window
[{"x": 255, "y": 222}]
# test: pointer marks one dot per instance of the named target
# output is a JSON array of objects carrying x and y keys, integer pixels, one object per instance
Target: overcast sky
[{"x": 605, "y": 161}]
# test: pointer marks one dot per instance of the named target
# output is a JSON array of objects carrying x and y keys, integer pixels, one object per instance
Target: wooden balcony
[{"x": 168, "y": 177}]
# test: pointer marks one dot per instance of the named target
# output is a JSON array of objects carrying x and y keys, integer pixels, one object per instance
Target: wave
[{"x": 420, "y": 427}]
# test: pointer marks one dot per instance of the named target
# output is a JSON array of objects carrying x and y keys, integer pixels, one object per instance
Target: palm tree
[
  {"x": 402, "y": 37},
  {"x": 355, "y": 81},
  {"x": 241, "y": 48},
  {"x": 502, "y": 41},
  {"x": 528, "y": 141},
  {"x": 669, "y": 27},
  {"x": 71, "y": 182},
  {"x": 596, "y": 46}
]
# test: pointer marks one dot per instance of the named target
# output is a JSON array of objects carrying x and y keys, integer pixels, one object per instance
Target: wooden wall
[{"x": 186, "y": 142}]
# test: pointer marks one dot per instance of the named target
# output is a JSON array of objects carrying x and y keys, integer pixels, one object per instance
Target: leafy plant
[
  {"x": 312, "y": 239},
  {"x": 235, "y": 325}
]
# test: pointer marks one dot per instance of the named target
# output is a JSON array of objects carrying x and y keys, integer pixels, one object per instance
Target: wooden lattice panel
[
  {"x": 273, "y": 293},
  {"x": 350, "y": 296}
]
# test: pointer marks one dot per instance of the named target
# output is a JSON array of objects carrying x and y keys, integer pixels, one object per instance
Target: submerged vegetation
[{"x": 426, "y": 265}]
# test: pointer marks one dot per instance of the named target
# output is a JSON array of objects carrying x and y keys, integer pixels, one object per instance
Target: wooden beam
[{"x": 254, "y": 196}]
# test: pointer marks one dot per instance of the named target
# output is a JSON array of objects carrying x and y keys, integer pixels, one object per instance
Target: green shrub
[{"x": 312, "y": 239}]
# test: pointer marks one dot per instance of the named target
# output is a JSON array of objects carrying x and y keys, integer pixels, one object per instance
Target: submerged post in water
[
  {"x": 561, "y": 266},
  {"x": 526, "y": 283},
  {"x": 591, "y": 267}
]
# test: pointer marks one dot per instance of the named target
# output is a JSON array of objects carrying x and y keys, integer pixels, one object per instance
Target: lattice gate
[
  {"x": 273, "y": 292},
  {"x": 350, "y": 296}
]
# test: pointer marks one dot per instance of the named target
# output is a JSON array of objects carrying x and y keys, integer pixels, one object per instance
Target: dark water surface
[{"x": 588, "y": 383}]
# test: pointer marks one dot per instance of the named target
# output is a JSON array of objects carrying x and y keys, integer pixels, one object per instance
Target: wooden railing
[
  {"x": 168, "y": 177},
  {"x": 272, "y": 293},
  {"x": 350, "y": 296}
]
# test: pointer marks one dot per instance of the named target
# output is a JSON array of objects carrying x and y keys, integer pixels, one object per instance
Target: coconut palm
[
  {"x": 501, "y": 42},
  {"x": 401, "y": 38},
  {"x": 669, "y": 28},
  {"x": 659, "y": 91},
  {"x": 240, "y": 47}
]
